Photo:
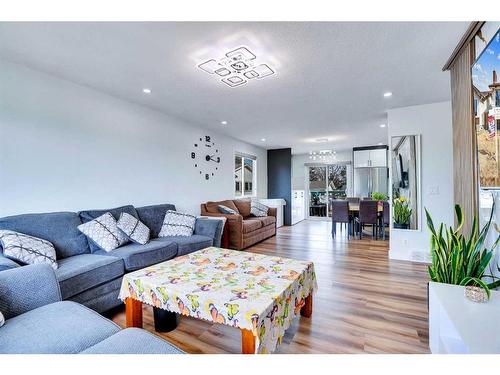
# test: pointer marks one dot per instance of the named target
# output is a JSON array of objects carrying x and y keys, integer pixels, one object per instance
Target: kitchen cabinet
[
  {"x": 298, "y": 206},
  {"x": 370, "y": 158}
]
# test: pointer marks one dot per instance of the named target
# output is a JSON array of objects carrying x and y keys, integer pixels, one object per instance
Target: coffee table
[{"x": 258, "y": 294}]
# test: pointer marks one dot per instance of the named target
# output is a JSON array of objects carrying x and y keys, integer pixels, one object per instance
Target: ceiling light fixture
[
  {"x": 387, "y": 94},
  {"x": 237, "y": 67},
  {"x": 223, "y": 122},
  {"x": 382, "y": 125},
  {"x": 146, "y": 91},
  {"x": 263, "y": 139},
  {"x": 321, "y": 140}
]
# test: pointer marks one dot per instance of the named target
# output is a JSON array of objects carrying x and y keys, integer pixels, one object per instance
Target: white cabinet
[
  {"x": 378, "y": 158},
  {"x": 298, "y": 206},
  {"x": 370, "y": 158},
  {"x": 361, "y": 158}
]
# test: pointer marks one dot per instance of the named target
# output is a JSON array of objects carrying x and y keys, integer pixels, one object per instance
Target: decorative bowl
[{"x": 476, "y": 294}]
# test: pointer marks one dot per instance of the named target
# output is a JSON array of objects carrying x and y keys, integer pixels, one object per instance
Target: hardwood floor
[{"x": 365, "y": 302}]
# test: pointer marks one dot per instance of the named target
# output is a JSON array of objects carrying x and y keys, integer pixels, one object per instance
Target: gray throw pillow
[
  {"x": 27, "y": 249},
  {"x": 104, "y": 232},
  {"x": 258, "y": 209},
  {"x": 133, "y": 228},
  {"x": 177, "y": 224},
  {"x": 226, "y": 210}
]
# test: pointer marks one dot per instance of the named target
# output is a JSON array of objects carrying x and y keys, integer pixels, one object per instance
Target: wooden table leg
[
  {"x": 133, "y": 313},
  {"x": 247, "y": 342},
  {"x": 307, "y": 310}
]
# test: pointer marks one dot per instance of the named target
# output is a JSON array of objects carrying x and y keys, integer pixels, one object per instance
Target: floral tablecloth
[{"x": 240, "y": 289}]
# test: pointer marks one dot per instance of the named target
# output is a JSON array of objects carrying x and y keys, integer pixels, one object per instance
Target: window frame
[{"x": 253, "y": 159}]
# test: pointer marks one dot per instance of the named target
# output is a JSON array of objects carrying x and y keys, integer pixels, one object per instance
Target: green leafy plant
[
  {"x": 379, "y": 196},
  {"x": 461, "y": 260},
  {"x": 401, "y": 211}
]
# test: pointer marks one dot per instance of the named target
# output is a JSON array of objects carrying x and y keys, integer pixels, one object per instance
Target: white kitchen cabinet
[
  {"x": 370, "y": 158},
  {"x": 361, "y": 158},
  {"x": 298, "y": 206}
]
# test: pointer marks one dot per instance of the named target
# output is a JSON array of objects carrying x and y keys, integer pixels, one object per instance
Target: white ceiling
[{"x": 329, "y": 78}]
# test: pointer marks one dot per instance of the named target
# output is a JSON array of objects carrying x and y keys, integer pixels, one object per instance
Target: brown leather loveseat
[{"x": 244, "y": 229}]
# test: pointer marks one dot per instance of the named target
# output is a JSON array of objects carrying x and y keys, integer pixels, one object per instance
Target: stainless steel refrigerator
[{"x": 369, "y": 180}]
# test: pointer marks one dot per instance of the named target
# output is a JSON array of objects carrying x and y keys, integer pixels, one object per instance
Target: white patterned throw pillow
[
  {"x": 2, "y": 319},
  {"x": 27, "y": 249},
  {"x": 104, "y": 232},
  {"x": 177, "y": 224},
  {"x": 226, "y": 210},
  {"x": 133, "y": 228},
  {"x": 258, "y": 209}
]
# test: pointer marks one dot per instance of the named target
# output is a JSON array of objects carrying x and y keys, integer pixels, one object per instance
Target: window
[
  {"x": 244, "y": 175},
  {"x": 497, "y": 98}
]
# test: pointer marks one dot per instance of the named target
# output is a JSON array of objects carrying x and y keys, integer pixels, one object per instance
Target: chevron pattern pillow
[
  {"x": 104, "y": 232},
  {"x": 177, "y": 224},
  {"x": 226, "y": 210},
  {"x": 27, "y": 249},
  {"x": 133, "y": 228},
  {"x": 258, "y": 209}
]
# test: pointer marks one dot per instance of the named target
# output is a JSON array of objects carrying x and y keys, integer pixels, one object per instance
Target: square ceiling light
[{"x": 236, "y": 67}]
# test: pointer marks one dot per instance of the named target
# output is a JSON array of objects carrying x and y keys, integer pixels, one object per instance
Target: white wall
[
  {"x": 433, "y": 123},
  {"x": 69, "y": 147}
]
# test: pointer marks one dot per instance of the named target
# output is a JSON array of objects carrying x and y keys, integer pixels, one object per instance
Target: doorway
[{"x": 325, "y": 183}]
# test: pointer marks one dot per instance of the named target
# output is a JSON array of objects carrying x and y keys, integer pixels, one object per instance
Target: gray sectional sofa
[
  {"x": 38, "y": 322},
  {"x": 91, "y": 276}
]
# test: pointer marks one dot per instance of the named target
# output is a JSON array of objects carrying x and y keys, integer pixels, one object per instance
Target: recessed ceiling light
[
  {"x": 387, "y": 94},
  {"x": 263, "y": 139},
  {"x": 382, "y": 125},
  {"x": 223, "y": 122},
  {"x": 146, "y": 91},
  {"x": 237, "y": 67},
  {"x": 321, "y": 140},
  {"x": 380, "y": 143}
]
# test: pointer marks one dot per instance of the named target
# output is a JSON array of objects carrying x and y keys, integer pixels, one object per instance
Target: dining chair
[
  {"x": 340, "y": 214},
  {"x": 385, "y": 218},
  {"x": 368, "y": 215},
  {"x": 354, "y": 200}
]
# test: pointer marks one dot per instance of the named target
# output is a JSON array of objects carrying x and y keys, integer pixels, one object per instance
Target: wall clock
[{"x": 206, "y": 157}]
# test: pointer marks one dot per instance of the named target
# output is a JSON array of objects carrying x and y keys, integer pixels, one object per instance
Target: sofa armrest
[
  {"x": 6, "y": 263},
  {"x": 211, "y": 228},
  {"x": 25, "y": 288},
  {"x": 272, "y": 211}
]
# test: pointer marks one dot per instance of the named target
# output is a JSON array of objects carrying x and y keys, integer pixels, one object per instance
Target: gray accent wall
[{"x": 279, "y": 178}]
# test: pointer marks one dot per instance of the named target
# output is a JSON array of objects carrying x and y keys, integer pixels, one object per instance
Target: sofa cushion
[
  {"x": 58, "y": 328},
  {"x": 134, "y": 229},
  {"x": 213, "y": 207},
  {"x": 59, "y": 228},
  {"x": 153, "y": 216},
  {"x": 137, "y": 256},
  {"x": 243, "y": 205},
  {"x": 6, "y": 263},
  {"x": 250, "y": 225},
  {"x": 27, "y": 249},
  {"x": 89, "y": 215},
  {"x": 133, "y": 341},
  {"x": 177, "y": 224},
  {"x": 266, "y": 220},
  {"x": 82, "y": 272},
  {"x": 186, "y": 245},
  {"x": 103, "y": 232}
]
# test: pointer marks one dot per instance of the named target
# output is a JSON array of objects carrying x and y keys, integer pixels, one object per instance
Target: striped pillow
[
  {"x": 133, "y": 228},
  {"x": 258, "y": 209},
  {"x": 177, "y": 224},
  {"x": 226, "y": 210}
]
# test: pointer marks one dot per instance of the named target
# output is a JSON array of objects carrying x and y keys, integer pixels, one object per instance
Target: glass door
[
  {"x": 326, "y": 183},
  {"x": 317, "y": 192}
]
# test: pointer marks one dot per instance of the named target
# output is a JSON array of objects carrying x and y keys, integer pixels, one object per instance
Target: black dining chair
[
  {"x": 368, "y": 215},
  {"x": 385, "y": 222},
  {"x": 354, "y": 200},
  {"x": 340, "y": 214}
]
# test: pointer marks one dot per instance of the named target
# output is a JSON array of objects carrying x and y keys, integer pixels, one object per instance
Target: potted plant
[
  {"x": 459, "y": 259},
  {"x": 381, "y": 197},
  {"x": 401, "y": 213}
]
